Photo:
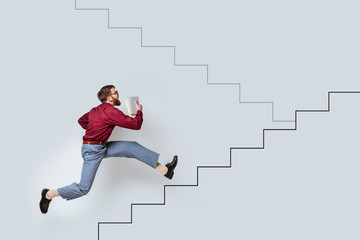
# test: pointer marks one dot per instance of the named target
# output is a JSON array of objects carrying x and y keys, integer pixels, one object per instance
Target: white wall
[{"x": 54, "y": 59}]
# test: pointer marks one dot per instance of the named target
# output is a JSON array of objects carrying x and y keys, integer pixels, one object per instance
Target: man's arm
[
  {"x": 118, "y": 118},
  {"x": 84, "y": 121}
]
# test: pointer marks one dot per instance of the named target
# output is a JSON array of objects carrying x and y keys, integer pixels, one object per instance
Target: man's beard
[{"x": 116, "y": 101}]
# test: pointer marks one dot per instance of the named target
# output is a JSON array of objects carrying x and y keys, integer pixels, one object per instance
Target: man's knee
[{"x": 84, "y": 189}]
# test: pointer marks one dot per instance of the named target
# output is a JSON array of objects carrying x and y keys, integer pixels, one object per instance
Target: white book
[{"x": 131, "y": 106}]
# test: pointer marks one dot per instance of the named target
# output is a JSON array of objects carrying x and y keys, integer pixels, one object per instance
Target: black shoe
[
  {"x": 44, "y": 202},
  {"x": 171, "y": 166}
]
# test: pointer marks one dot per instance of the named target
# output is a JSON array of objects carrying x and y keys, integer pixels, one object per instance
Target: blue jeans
[{"x": 93, "y": 155}]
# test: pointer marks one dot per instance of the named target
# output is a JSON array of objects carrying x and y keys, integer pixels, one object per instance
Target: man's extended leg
[
  {"x": 135, "y": 150},
  {"x": 131, "y": 150}
]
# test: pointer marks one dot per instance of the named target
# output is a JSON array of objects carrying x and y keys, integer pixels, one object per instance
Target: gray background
[{"x": 303, "y": 185}]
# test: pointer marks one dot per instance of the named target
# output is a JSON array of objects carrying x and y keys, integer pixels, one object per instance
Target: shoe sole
[
  {"x": 43, "y": 196},
  {"x": 176, "y": 161},
  {"x": 171, "y": 175}
]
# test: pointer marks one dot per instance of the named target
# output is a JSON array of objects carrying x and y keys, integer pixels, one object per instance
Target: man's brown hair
[{"x": 104, "y": 92}]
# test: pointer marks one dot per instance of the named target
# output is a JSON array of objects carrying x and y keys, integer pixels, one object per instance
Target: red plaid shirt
[{"x": 101, "y": 120}]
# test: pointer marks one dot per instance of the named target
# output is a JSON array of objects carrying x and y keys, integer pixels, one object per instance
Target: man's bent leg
[
  {"x": 92, "y": 155},
  {"x": 132, "y": 150}
]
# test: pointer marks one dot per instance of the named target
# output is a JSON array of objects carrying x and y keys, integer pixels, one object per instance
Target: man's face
[{"x": 115, "y": 97}]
